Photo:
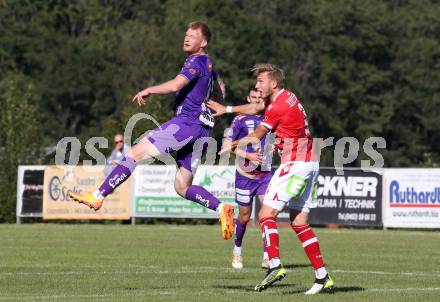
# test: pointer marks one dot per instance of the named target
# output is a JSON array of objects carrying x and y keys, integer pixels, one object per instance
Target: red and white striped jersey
[{"x": 286, "y": 117}]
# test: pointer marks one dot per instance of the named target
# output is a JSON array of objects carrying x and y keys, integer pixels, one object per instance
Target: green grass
[{"x": 47, "y": 262}]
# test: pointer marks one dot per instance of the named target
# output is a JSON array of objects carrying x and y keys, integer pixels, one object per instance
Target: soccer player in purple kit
[
  {"x": 251, "y": 178},
  {"x": 192, "y": 123}
]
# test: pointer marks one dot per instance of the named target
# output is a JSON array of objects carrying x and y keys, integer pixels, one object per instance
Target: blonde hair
[
  {"x": 203, "y": 28},
  {"x": 274, "y": 73}
]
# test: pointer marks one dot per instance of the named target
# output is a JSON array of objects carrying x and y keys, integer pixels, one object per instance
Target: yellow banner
[{"x": 59, "y": 181}]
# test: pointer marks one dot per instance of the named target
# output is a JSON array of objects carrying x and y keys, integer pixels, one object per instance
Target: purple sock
[
  {"x": 117, "y": 176},
  {"x": 240, "y": 229},
  {"x": 202, "y": 197}
]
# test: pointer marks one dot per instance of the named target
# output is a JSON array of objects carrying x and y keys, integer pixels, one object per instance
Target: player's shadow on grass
[
  {"x": 343, "y": 289},
  {"x": 250, "y": 288},
  {"x": 245, "y": 288},
  {"x": 292, "y": 266}
]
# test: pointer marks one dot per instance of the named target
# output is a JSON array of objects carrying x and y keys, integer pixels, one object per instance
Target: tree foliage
[{"x": 20, "y": 135}]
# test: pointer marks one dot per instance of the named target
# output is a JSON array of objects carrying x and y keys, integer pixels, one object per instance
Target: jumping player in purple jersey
[
  {"x": 183, "y": 133},
  {"x": 251, "y": 179}
]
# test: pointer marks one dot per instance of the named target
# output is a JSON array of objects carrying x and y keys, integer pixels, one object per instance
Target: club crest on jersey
[{"x": 286, "y": 169}]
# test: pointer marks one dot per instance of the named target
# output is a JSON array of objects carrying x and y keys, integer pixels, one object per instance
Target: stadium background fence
[{"x": 402, "y": 198}]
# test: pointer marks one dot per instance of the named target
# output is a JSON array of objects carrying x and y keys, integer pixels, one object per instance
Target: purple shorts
[
  {"x": 246, "y": 189},
  {"x": 180, "y": 134}
]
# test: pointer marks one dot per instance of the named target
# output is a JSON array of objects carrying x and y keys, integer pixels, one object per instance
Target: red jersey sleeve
[{"x": 272, "y": 117}]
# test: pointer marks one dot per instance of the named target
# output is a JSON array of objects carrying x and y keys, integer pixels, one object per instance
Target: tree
[{"x": 20, "y": 134}]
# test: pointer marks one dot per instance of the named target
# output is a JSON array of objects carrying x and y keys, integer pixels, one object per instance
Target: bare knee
[
  {"x": 267, "y": 211},
  {"x": 244, "y": 218},
  {"x": 143, "y": 150},
  {"x": 181, "y": 188},
  {"x": 298, "y": 218},
  {"x": 183, "y": 181}
]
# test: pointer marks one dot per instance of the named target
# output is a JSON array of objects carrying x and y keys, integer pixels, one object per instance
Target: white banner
[
  {"x": 411, "y": 198},
  {"x": 154, "y": 194}
]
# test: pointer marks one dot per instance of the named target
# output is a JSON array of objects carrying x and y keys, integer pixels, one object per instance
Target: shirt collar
[{"x": 278, "y": 94}]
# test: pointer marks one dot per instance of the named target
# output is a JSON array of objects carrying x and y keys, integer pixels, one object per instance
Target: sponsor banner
[
  {"x": 154, "y": 194},
  {"x": 412, "y": 198},
  {"x": 59, "y": 181},
  {"x": 352, "y": 199},
  {"x": 30, "y": 191}
]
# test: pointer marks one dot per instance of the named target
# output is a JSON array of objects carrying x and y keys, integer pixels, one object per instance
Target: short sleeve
[
  {"x": 191, "y": 69},
  {"x": 234, "y": 130},
  {"x": 272, "y": 117}
]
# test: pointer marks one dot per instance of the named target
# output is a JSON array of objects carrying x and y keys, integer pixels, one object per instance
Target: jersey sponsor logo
[
  {"x": 354, "y": 186},
  {"x": 250, "y": 126}
]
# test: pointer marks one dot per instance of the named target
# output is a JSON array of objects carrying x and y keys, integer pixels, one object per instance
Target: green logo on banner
[{"x": 207, "y": 180}]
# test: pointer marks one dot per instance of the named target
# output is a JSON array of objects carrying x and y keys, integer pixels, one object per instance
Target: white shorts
[{"x": 293, "y": 184}]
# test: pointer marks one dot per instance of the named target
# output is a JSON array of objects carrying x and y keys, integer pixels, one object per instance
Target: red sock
[
  {"x": 310, "y": 244},
  {"x": 270, "y": 236}
]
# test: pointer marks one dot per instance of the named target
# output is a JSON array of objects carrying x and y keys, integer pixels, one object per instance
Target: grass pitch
[{"x": 49, "y": 262}]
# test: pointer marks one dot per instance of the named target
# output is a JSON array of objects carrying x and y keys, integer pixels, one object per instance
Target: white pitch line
[
  {"x": 230, "y": 292},
  {"x": 207, "y": 270},
  {"x": 411, "y": 289},
  {"x": 152, "y": 272},
  {"x": 54, "y": 297},
  {"x": 420, "y": 274}
]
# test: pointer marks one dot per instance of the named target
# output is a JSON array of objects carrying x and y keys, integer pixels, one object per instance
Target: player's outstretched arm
[
  {"x": 247, "y": 109},
  {"x": 168, "y": 87},
  {"x": 257, "y": 135}
]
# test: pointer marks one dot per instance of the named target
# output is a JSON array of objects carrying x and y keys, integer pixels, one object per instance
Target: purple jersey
[
  {"x": 247, "y": 188},
  {"x": 181, "y": 132},
  {"x": 243, "y": 125},
  {"x": 190, "y": 100}
]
